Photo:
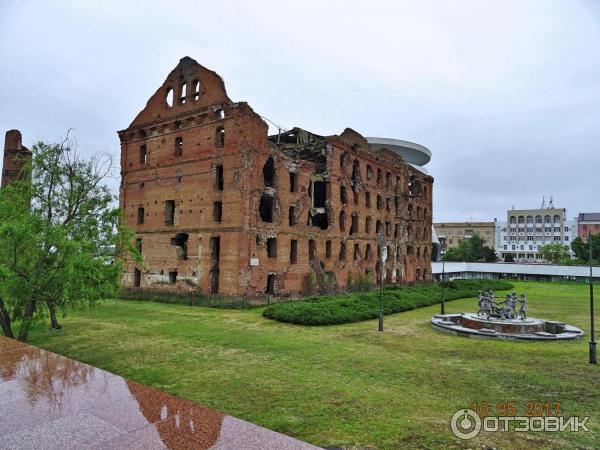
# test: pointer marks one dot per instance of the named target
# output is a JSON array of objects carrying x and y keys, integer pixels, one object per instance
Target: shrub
[{"x": 356, "y": 307}]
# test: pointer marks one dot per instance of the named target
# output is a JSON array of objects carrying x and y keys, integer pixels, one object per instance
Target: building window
[
  {"x": 196, "y": 89},
  {"x": 217, "y": 212},
  {"x": 343, "y": 195},
  {"x": 269, "y": 172},
  {"x": 342, "y": 254},
  {"x": 140, "y": 215},
  {"x": 293, "y": 251},
  {"x": 379, "y": 176},
  {"x": 272, "y": 248},
  {"x": 293, "y": 181},
  {"x": 178, "y": 146},
  {"x": 220, "y": 137},
  {"x": 169, "y": 213},
  {"x": 173, "y": 277},
  {"x": 271, "y": 284},
  {"x": 293, "y": 216},
  {"x": 219, "y": 178},
  {"x": 368, "y": 199},
  {"x": 369, "y": 172},
  {"x": 143, "y": 154},
  {"x": 368, "y": 221},
  {"x": 342, "y": 221},
  {"x": 137, "y": 277},
  {"x": 327, "y": 249},
  {"x": 354, "y": 224},
  {"x": 379, "y": 202},
  {"x": 265, "y": 208},
  {"x": 357, "y": 255},
  {"x": 343, "y": 160},
  {"x": 138, "y": 245},
  {"x": 312, "y": 250}
]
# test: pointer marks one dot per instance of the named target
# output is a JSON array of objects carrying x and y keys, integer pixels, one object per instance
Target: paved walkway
[{"x": 48, "y": 401}]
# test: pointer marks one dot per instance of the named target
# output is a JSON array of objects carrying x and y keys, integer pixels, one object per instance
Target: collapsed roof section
[{"x": 303, "y": 145}]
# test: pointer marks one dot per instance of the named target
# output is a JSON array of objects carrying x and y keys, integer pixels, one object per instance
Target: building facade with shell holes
[{"x": 220, "y": 206}]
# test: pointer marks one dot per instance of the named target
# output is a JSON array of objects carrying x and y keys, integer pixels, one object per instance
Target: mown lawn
[{"x": 346, "y": 385}]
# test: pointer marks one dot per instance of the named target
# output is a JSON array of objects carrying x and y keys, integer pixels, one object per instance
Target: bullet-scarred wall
[{"x": 219, "y": 206}]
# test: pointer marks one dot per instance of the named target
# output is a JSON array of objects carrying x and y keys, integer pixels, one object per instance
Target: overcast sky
[{"x": 505, "y": 94}]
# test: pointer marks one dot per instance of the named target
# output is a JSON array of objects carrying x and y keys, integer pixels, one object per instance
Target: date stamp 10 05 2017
[{"x": 512, "y": 416}]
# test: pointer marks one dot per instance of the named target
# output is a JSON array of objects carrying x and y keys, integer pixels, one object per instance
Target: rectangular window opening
[
  {"x": 217, "y": 212},
  {"x": 169, "y": 213}
]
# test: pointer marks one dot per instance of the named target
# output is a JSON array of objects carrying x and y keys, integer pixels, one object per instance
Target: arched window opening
[
  {"x": 169, "y": 97},
  {"x": 183, "y": 93},
  {"x": 343, "y": 160},
  {"x": 269, "y": 172},
  {"x": 196, "y": 89},
  {"x": 342, "y": 255},
  {"x": 368, "y": 252},
  {"x": 342, "y": 221},
  {"x": 355, "y": 171},
  {"x": 354, "y": 225},
  {"x": 343, "y": 195},
  {"x": 220, "y": 137}
]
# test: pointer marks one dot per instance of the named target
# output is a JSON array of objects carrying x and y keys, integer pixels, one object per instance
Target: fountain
[{"x": 502, "y": 320}]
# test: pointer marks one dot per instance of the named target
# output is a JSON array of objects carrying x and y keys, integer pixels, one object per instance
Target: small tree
[
  {"x": 582, "y": 249},
  {"x": 554, "y": 253},
  {"x": 61, "y": 237}
]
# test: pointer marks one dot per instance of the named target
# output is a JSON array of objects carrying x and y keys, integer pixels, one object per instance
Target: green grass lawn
[{"x": 345, "y": 385}]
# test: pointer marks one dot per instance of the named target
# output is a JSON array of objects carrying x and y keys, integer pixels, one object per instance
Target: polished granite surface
[{"x": 48, "y": 401}]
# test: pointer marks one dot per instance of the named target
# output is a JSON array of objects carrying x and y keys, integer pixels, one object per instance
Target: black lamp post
[
  {"x": 593, "y": 358},
  {"x": 443, "y": 304},
  {"x": 382, "y": 259}
]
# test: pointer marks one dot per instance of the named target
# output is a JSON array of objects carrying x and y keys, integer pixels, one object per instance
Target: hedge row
[{"x": 356, "y": 307}]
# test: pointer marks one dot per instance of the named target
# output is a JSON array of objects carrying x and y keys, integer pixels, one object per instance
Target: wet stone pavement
[{"x": 48, "y": 401}]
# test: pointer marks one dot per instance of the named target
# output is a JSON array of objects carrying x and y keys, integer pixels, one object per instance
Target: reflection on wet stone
[{"x": 49, "y": 401}]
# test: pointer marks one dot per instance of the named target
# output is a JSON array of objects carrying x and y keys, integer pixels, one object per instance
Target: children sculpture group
[{"x": 507, "y": 309}]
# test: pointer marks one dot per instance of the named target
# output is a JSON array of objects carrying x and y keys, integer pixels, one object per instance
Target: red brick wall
[{"x": 189, "y": 180}]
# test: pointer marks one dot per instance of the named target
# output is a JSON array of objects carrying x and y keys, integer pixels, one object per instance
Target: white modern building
[
  {"x": 526, "y": 230},
  {"x": 525, "y": 272}
]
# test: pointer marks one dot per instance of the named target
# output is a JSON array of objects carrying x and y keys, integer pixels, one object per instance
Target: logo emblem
[{"x": 465, "y": 424}]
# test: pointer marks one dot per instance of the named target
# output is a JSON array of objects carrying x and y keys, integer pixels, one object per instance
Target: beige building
[{"x": 451, "y": 234}]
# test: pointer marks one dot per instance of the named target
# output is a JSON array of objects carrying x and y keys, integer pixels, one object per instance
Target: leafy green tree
[
  {"x": 61, "y": 238},
  {"x": 582, "y": 249},
  {"x": 509, "y": 258},
  {"x": 554, "y": 253},
  {"x": 471, "y": 250}
]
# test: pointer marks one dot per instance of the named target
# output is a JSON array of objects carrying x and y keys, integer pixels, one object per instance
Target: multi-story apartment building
[
  {"x": 526, "y": 230},
  {"x": 220, "y": 206},
  {"x": 588, "y": 223},
  {"x": 451, "y": 234}
]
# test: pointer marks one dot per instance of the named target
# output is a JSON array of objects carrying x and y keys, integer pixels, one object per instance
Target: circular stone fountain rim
[{"x": 437, "y": 321}]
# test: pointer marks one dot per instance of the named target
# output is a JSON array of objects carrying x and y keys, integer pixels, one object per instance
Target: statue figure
[
  {"x": 480, "y": 301},
  {"x": 487, "y": 306},
  {"x": 523, "y": 307},
  {"x": 506, "y": 311}
]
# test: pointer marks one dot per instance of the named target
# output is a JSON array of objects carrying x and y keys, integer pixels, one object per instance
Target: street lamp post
[
  {"x": 382, "y": 260},
  {"x": 593, "y": 358},
  {"x": 443, "y": 304}
]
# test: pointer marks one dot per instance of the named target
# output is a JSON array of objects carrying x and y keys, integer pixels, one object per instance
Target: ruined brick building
[
  {"x": 219, "y": 205},
  {"x": 16, "y": 157}
]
